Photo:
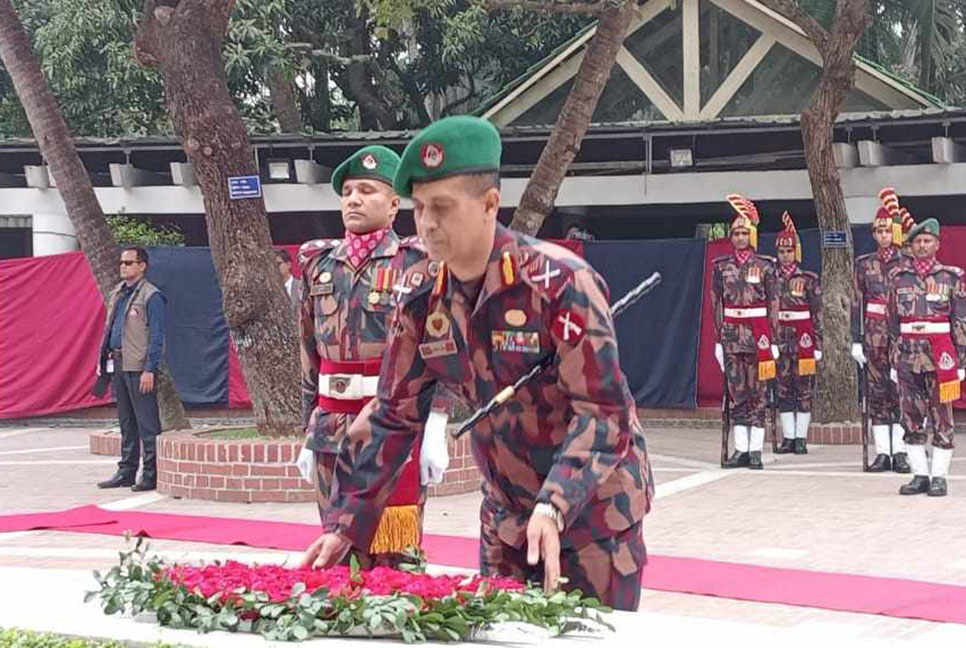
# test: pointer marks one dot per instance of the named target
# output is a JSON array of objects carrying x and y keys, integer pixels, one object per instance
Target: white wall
[{"x": 861, "y": 186}]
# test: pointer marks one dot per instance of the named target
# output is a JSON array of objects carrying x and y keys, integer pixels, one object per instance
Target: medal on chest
[
  {"x": 322, "y": 285},
  {"x": 797, "y": 287},
  {"x": 753, "y": 274},
  {"x": 936, "y": 292}
]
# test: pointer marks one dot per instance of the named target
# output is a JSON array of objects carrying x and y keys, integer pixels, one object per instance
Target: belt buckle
[
  {"x": 338, "y": 383},
  {"x": 918, "y": 327}
]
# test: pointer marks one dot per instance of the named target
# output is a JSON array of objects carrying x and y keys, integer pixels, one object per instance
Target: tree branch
[
  {"x": 590, "y": 8},
  {"x": 815, "y": 31},
  {"x": 146, "y": 38}
]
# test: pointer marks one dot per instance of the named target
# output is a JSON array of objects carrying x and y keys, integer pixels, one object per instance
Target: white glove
[
  {"x": 719, "y": 355},
  {"x": 858, "y": 354},
  {"x": 818, "y": 355},
  {"x": 962, "y": 374},
  {"x": 306, "y": 465},
  {"x": 433, "y": 454},
  {"x": 894, "y": 375},
  {"x": 774, "y": 352}
]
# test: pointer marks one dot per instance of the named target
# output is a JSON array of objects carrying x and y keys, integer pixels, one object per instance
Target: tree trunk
[
  {"x": 837, "y": 375},
  {"x": 838, "y": 372},
  {"x": 184, "y": 43},
  {"x": 574, "y": 120},
  {"x": 83, "y": 209},
  {"x": 284, "y": 101}
]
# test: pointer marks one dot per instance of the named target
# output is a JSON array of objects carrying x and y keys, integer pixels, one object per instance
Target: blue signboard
[
  {"x": 240, "y": 187},
  {"x": 835, "y": 239}
]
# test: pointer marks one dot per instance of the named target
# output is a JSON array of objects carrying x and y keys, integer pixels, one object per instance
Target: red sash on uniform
[
  {"x": 804, "y": 337},
  {"x": 761, "y": 329},
  {"x": 400, "y": 525},
  {"x": 943, "y": 354}
]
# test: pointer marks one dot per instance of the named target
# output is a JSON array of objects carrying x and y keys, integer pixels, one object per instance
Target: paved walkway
[{"x": 816, "y": 512}]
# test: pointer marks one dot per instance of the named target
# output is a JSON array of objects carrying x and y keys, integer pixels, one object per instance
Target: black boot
[
  {"x": 882, "y": 463},
  {"x": 800, "y": 447},
  {"x": 937, "y": 487},
  {"x": 119, "y": 479},
  {"x": 900, "y": 463},
  {"x": 754, "y": 461},
  {"x": 737, "y": 460},
  {"x": 144, "y": 485},
  {"x": 787, "y": 447},
  {"x": 919, "y": 484}
]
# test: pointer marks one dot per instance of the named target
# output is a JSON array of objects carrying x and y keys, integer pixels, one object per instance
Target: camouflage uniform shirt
[
  {"x": 570, "y": 437},
  {"x": 742, "y": 285},
  {"x": 345, "y": 316},
  {"x": 941, "y": 294},
  {"x": 870, "y": 283}
]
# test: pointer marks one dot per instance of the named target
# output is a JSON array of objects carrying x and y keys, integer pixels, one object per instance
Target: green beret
[
  {"x": 450, "y": 146},
  {"x": 373, "y": 162},
  {"x": 928, "y": 226}
]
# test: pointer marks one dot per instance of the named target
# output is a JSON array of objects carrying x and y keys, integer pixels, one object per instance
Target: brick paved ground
[{"x": 811, "y": 512}]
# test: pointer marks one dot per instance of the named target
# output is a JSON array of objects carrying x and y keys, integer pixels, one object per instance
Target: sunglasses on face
[{"x": 125, "y": 262}]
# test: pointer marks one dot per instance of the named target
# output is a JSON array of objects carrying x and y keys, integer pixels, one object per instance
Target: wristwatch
[{"x": 552, "y": 512}]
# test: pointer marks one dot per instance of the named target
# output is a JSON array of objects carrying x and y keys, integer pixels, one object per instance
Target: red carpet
[{"x": 844, "y": 592}]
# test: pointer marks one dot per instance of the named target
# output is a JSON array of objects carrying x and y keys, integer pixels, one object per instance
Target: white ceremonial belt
[
  {"x": 875, "y": 309},
  {"x": 794, "y": 316},
  {"x": 347, "y": 386},
  {"x": 742, "y": 313},
  {"x": 911, "y": 328}
]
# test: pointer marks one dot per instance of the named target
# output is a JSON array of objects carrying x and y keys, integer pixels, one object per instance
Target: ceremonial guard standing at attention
[
  {"x": 745, "y": 297},
  {"x": 799, "y": 338},
  {"x": 346, "y": 309},
  {"x": 870, "y": 336},
  {"x": 927, "y": 331}
]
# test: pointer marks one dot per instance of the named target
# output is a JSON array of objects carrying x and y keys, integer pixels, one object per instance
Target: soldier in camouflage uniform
[
  {"x": 799, "y": 339},
  {"x": 870, "y": 337},
  {"x": 927, "y": 330},
  {"x": 566, "y": 475},
  {"x": 346, "y": 307},
  {"x": 745, "y": 299}
]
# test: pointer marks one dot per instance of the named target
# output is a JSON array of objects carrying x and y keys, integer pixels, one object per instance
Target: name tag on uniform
[
  {"x": 516, "y": 341},
  {"x": 109, "y": 366},
  {"x": 436, "y": 349},
  {"x": 905, "y": 291},
  {"x": 320, "y": 290}
]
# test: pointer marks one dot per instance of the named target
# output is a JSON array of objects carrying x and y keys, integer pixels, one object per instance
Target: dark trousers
[{"x": 140, "y": 425}]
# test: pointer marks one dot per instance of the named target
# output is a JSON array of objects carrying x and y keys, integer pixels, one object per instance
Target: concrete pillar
[
  {"x": 53, "y": 234},
  {"x": 862, "y": 209}
]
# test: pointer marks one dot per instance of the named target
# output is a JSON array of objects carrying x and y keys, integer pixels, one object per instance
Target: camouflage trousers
[
  {"x": 749, "y": 396},
  {"x": 918, "y": 398},
  {"x": 325, "y": 472},
  {"x": 794, "y": 391},
  {"x": 608, "y": 569},
  {"x": 881, "y": 392}
]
